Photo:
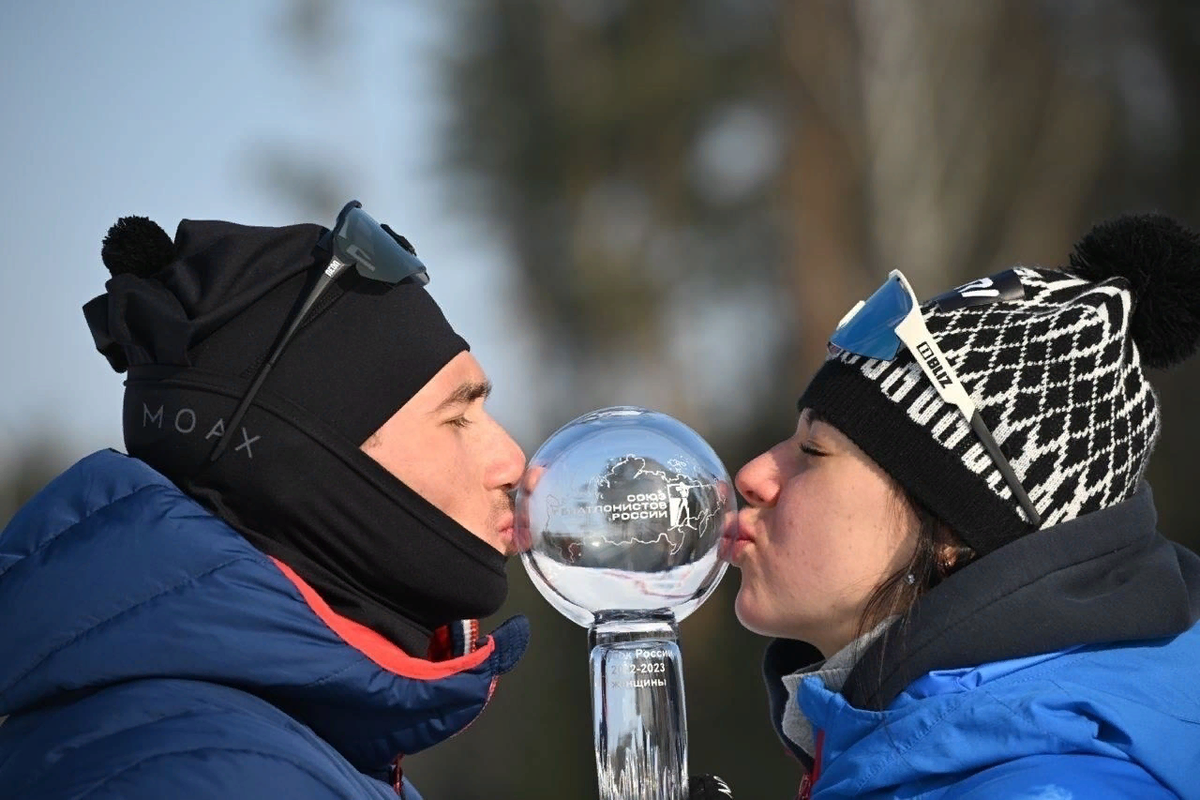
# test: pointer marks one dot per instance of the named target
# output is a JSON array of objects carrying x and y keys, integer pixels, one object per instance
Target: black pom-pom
[
  {"x": 136, "y": 245},
  {"x": 1160, "y": 259}
]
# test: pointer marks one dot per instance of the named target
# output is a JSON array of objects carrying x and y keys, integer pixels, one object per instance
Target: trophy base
[{"x": 638, "y": 711}]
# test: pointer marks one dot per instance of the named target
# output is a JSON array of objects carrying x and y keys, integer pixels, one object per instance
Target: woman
[{"x": 956, "y": 549}]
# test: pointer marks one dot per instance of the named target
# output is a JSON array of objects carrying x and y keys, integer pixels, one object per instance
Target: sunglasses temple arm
[
  {"x": 318, "y": 289},
  {"x": 1010, "y": 477}
]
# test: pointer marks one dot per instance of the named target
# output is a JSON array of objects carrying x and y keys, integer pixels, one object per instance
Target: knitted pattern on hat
[{"x": 1056, "y": 376}]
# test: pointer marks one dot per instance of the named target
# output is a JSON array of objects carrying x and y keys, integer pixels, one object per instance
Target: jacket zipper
[
  {"x": 810, "y": 779},
  {"x": 398, "y": 776},
  {"x": 398, "y": 773}
]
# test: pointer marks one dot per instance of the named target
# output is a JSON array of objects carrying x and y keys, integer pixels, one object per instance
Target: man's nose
[{"x": 508, "y": 463}]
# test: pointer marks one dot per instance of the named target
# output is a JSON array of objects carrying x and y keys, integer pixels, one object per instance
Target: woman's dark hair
[
  {"x": 938, "y": 554},
  {"x": 927, "y": 567}
]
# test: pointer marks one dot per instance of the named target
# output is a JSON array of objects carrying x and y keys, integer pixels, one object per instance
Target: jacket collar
[{"x": 1105, "y": 577}]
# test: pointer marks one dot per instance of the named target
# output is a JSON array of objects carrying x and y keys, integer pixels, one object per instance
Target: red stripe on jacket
[{"x": 374, "y": 646}]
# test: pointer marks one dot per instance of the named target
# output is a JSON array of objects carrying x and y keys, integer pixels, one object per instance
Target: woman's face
[{"x": 824, "y": 526}]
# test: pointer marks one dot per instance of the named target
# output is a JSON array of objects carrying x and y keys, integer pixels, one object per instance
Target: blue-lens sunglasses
[
  {"x": 891, "y": 317},
  {"x": 356, "y": 240}
]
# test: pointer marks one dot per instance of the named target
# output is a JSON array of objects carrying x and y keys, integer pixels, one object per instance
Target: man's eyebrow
[{"x": 466, "y": 393}]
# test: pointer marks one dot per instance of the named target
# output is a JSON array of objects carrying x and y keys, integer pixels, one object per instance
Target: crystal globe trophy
[{"x": 620, "y": 517}]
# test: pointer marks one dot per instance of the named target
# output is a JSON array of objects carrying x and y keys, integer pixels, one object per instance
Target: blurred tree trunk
[
  {"x": 1164, "y": 174},
  {"x": 945, "y": 139}
]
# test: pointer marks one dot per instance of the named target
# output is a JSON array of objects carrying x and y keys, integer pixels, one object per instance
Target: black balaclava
[{"x": 192, "y": 321}]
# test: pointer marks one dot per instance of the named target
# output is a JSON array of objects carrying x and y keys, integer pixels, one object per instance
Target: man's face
[{"x": 443, "y": 444}]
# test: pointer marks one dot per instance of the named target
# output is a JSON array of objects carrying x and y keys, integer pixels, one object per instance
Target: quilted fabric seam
[
  {"x": 94, "y": 627},
  {"x": 78, "y": 522}
]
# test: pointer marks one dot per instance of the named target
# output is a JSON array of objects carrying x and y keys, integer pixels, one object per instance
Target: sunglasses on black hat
[
  {"x": 890, "y": 319},
  {"x": 356, "y": 240}
]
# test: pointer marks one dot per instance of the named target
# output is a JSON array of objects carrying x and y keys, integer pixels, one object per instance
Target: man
[{"x": 272, "y": 594}]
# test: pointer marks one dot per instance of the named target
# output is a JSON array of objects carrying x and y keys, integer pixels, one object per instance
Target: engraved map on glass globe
[{"x": 623, "y": 510}]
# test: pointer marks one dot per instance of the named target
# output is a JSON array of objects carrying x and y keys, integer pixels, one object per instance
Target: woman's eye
[{"x": 811, "y": 450}]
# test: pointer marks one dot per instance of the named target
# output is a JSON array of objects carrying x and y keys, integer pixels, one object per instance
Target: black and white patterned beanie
[{"x": 1054, "y": 361}]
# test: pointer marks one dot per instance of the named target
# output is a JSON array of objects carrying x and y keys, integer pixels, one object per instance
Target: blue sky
[{"x": 159, "y": 109}]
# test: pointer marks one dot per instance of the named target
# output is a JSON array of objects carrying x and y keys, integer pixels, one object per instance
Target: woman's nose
[{"x": 756, "y": 481}]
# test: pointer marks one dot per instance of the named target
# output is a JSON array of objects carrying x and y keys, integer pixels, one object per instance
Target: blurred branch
[{"x": 314, "y": 185}]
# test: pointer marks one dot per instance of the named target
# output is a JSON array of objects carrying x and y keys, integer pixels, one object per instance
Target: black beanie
[
  {"x": 194, "y": 319},
  {"x": 219, "y": 299},
  {"x": 1055, "y": 364}
]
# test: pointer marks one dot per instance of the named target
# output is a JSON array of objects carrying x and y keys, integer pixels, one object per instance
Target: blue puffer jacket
[
  {"x": 1095, "y": 722},
  {"x": 1065, "y": 665},
  {"x": 148, "y": 651}
]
